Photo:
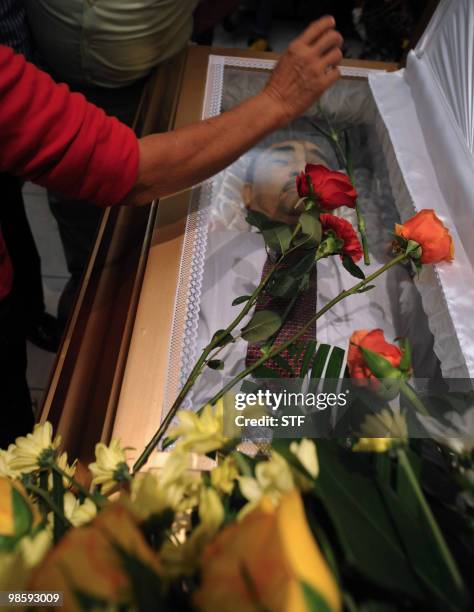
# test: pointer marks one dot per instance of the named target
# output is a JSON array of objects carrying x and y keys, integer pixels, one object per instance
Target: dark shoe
[{"x": 45, "y": 333}]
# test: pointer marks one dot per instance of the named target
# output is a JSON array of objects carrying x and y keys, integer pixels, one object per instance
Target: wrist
[{"x": 273, "y": 109}]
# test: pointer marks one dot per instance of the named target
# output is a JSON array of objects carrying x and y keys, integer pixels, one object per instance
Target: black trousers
[
  {"x": 27, "y": 281},
  {"x": 16, "y": 414},
  {"x": 17, "y": 311}
]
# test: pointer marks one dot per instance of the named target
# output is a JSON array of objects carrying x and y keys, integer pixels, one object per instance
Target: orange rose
[
  {"x": 373, "y": 341},
  {"x": 262, "y": 562},
  {"x": 431, "y": 234},
  {"x": 86, "y": 560}
]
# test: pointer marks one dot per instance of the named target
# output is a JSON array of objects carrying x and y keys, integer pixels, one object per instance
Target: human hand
[{"x": 306, "y": 70}]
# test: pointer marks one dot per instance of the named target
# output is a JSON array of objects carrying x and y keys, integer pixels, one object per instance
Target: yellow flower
[
  {"x": 6, "y": 457},
  {"x": 273, "y": 549},
  {"x": 34, "y": 548},
  {"x": 272, "y": 479},
  {"x": 200, "y": 433},
  {"x": 373, "y": 445},
  {"x": 183, "y": 558},
  {"x": 110, "y": 466},
  {"x": 305, "y": 452},
  {"x": 224, "y": 475},
  {"x": 172, "y": 487},
  {"x": 87, "y": 559},
  {"x": 62, "y": 463},
  {"x": 34, "y": 449},
  {"x": 78, "y": 514},
  {"x": 385, "y": 423}
]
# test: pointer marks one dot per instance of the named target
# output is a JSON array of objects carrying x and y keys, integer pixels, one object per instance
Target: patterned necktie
[{"x": 303, "y": 309}]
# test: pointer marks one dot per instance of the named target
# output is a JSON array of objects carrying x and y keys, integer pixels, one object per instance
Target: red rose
[
  {"x": 429, "y": 232},
  {"x": 373, "y": 341},
  {"x": 331, "y": 189},
  {"x": 343, "y": 230}
]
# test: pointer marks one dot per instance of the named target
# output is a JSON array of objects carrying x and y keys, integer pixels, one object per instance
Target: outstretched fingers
[{"x": 317, "y": 29}]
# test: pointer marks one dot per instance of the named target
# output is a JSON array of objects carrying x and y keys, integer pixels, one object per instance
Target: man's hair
[{"x": 300, "y": 129}]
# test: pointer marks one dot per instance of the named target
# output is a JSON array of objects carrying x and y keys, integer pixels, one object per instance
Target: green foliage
[
  {"x": 22, "y": 521},
  {"x": 215, "y": 364},
  {"x": 277, "y": 235},
  {"x": 352, "y": 267},
  {"x": 224, "y": 340},
  {"x": 286, "y": 282},
  {"x": 365, "y": 531},
  {"x": 314, "y": 601},
  {"x": 241, "y": 299},
  {"x": 263, "y": 324},
  {"x": 311, "y": 230},
  {"x": 59, "y": 528}
]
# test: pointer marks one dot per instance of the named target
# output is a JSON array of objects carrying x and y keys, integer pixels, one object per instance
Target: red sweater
[{"x": 55, "y": 138}]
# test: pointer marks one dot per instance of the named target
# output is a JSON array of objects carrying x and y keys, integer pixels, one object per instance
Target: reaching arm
[
  {"x": 56, "y": 138},
  {"x": 175, "y": 160}
]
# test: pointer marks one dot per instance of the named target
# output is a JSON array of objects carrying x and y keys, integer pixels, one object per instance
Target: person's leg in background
[
  {"x": 258, "y": 39},
  {"x": 40, "y": 327},
  {"x": 16, "y": 413},
  {"x": 207, "y": 15}
]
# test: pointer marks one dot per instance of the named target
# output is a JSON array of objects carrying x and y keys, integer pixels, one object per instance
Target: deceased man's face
[{"x": 272, "y": 185}]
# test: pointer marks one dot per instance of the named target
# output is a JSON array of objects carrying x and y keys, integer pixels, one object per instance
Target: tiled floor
[{"x": 55, "y": 275}]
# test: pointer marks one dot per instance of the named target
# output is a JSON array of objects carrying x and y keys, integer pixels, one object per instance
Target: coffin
[{"x": 171, "y": 286}]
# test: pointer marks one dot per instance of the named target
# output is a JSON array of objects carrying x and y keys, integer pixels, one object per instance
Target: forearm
[{"x": 175, "y": 160}]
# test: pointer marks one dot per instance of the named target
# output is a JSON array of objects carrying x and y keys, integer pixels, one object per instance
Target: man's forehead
[{"x": 291, "y": 147}]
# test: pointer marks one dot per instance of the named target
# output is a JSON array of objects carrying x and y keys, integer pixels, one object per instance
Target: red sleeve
[{"x": 56, "y": 138}]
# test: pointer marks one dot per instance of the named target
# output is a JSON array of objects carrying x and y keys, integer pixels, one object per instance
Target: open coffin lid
[{"x": 428, "y": 111}]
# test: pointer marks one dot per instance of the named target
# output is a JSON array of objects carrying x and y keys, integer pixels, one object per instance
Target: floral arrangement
[{"x": 360, "y": 524}]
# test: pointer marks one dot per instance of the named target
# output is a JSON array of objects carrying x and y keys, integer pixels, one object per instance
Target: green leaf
[
  {"x": 215, "y": 364},
  {"x": 352, "y": 267},
  {"x": 405, "y": 362},
  {"x": 57, "y": 495},
  {"x": 314, "y": 601},
  {"x": 413, "y": 249},
  {"x": 379, "y": 365},
  {"x": 364, "y": 528},
  {"x": 277, "y": 235},
  {"x": 285, "y": 282},
  {"x": 241, "y": 299},
  {"x": 424, "y": 543},
  {"x": 311, "y": 229},
  {"x": 307, "y": 356},
  {"x": 366, "y": 288},
  {"x": 258, "y": 219},
  {"x": 320, "y": 360},
  {"x": 226, "y": 339},
  {"x": 334, "y": 367},
  {"x": 263, "y": 324},
  {"x": 278, "y": 238}
]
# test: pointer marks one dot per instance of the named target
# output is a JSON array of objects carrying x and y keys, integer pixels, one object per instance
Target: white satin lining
[{"x": 433, "y": 163}]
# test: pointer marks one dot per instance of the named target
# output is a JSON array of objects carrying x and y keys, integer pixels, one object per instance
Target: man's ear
[{"x": 247, "y": 192}]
